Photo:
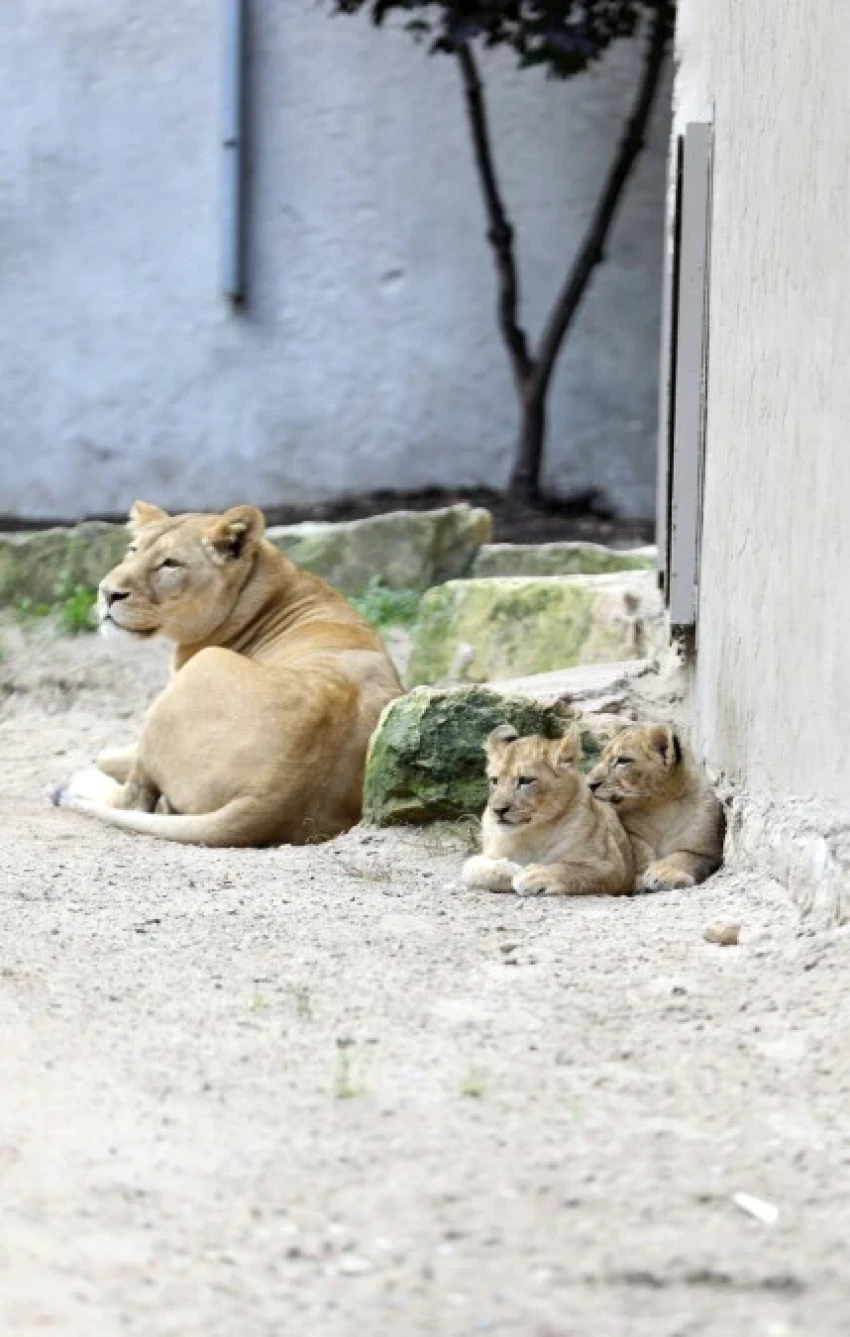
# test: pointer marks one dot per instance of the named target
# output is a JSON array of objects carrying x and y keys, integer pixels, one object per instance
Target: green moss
[
  {"x": 384, "y": 607},
  {"x": 405, "y": 550},
  {"x": 487, "y": 630},
  {"x": 559, "y": 559},
  {"x": 426, "y": 761}
]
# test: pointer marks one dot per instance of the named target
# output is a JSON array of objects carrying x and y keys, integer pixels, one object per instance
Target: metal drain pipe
[{"x": 232, "y": 146}]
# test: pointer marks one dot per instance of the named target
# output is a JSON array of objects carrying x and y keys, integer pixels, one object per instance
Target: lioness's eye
[
  {"x": 525, "y": 780},
  {"x": 169, "y": 563},
  {"x": 623, "y": 761},
  {"x": 493, "y": 779}
]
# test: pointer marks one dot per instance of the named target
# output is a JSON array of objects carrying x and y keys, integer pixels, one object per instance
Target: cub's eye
[
  {"x": 623, "y": 761},
  {"x": 493, "y": 779},
  {"x": 524, "y": 780},
  {"x": 168, "y": 564}
]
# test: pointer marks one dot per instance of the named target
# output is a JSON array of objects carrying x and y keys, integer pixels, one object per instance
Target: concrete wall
[
  {"x": 368, "y": 355},
  {"x": 772, "y": 675}
]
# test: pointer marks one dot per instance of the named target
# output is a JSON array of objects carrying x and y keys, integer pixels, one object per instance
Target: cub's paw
[
  {"x": 664, "y": 876},
  {"x": 535, "y": 882},
  {"x": 489, "y": 874},
  {"x": 86, "y": 786}
]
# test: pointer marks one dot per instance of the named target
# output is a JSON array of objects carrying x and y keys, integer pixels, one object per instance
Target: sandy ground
[{"x": 326, "y": 1092}]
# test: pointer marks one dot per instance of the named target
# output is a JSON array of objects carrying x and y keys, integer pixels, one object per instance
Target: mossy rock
[
  {"x": 509, "y": 627},
  {"x": 559, "y": 559},
  {"x": 406, "y": 550},
  {"x": 37, "y": 566},
  {"x": 426, "y": 759}
]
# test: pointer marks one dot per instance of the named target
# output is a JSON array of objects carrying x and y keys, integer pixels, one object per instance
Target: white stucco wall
[
  {"x": 772, "y": 674},
  {"x": 368, "y": 354}
]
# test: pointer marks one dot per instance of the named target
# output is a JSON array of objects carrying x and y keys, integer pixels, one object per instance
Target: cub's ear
[
  {"x": 664, "y": 740},
  {"x": 235, "y": 533},
  {"x": 142, "y": 513},
  {"x": 567, "y": 751},
  {"x": 499, "y": 739}
]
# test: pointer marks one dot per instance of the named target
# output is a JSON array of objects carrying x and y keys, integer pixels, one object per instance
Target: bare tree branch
[
  {"x": 500, "y": 234},
  {"x": 592, "y": 251}
]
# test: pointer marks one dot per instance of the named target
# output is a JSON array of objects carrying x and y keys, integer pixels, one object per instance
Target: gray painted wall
[
  {"x": 772, "y": 676},
  {"x": 368, "y": 355}
]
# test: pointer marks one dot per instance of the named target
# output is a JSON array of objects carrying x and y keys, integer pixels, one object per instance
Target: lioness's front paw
[{"x": 664, "y": 876}]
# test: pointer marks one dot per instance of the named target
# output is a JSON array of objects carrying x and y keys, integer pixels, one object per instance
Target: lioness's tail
[{"x": 234, "y": 824}]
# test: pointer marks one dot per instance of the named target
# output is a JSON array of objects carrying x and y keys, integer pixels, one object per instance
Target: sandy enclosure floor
[{"x": 326, "y": 1092}]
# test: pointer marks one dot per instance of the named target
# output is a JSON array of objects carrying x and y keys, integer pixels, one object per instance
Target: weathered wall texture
[
  {"x": 773, "y": 665},
  {"x": 368, "y": 356}
]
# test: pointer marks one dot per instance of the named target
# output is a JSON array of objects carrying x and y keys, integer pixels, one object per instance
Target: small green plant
[
  {"x": 76, "y": 610},
  {"x": 303, "y": 1005},
  {"x": 72, "y": 603},
  {"x": 259, "y": 1003},
  {"x": 384, "y": 607},
  {"x": 346, "y": 1087},
  {"x": 474, "y": 1085},
  {"x": 26, "y": 608}
]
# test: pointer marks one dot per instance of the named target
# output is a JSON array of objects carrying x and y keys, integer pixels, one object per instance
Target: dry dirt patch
[{"x": 324, "y": 1091}]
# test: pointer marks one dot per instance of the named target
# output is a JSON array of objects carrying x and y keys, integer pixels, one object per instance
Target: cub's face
[
  {"x": 531, "y": 779},
  {"x": 638, "y": 767},
  {"x": 182, "y": 575}
]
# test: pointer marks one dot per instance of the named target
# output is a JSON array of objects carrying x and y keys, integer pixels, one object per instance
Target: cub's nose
[
  {"x": 112, "y": 596},
  {"x": 593, "y": 785},
  {"x": 501, "y": 809}
]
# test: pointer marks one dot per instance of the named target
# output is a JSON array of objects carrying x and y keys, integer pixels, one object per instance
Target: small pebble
[
  {"x": 352, "y": 1266},
  {"x": 726, "y": 935}
]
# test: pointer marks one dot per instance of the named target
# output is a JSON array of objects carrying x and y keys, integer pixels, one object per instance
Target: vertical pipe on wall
[{"x": 232, "y": 164}]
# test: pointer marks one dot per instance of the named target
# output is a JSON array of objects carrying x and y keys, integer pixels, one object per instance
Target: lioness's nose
[
  {"x": 593, "y": 785},
  {"x": 112, "y": 596},
  {"x": 501, "y": 808}
]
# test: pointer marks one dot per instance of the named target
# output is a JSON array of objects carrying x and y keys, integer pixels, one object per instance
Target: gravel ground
[{"x": 326, "y": 1092}]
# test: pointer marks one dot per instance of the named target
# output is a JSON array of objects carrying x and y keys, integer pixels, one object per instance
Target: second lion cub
[{"x": 543, "y": 832}]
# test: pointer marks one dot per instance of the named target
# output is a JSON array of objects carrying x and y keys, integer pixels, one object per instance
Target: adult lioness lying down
[{"x": 261, "y": 735}]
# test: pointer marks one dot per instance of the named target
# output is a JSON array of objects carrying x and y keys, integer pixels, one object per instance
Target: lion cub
[
  {"x": 543, "y": 832},
  {"x": 674, "y": 820}
]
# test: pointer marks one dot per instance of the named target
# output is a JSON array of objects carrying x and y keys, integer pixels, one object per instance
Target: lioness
[
  {"x": 674, "y": 820},
  {"x": 261, "y": 735},
  {"x": 543, "y": 832}
]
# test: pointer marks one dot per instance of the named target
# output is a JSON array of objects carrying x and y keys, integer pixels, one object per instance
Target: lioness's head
[
  {"x": 640, "y": 765},
  {"x": 182, "y": 574},
  {"x": 531, "y": 779}
]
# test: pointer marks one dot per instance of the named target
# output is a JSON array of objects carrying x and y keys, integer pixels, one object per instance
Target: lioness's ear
[
  {"x": 498, "y": 740},
  {"x": 663, "y": 740},
  {"x": 142, "y": 513},
  {"x": 567, "y": 751},
  {"x": 235, "y": 533}
]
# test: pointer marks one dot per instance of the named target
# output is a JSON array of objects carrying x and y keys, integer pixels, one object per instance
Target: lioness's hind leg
[
  {"x": 116, "y": 762},
  {"x": 139, "y": 793}
]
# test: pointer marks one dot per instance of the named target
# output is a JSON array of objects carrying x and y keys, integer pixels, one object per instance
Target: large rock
[
  {"x": 426, "y": 760},
  {"x": 405, "y": 549},
  {"x": 560, "y": 559},
  {"x": 45, "y": 565},
  {"x": 491, "y": 630}
]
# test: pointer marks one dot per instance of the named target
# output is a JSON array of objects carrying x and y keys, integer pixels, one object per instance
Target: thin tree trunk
[
  {"x": 524, "y": 484},
  {"x": 500, "y": 234},
  {"x": 525, "y": 479},
  {"x": 532, "y": 371}
]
